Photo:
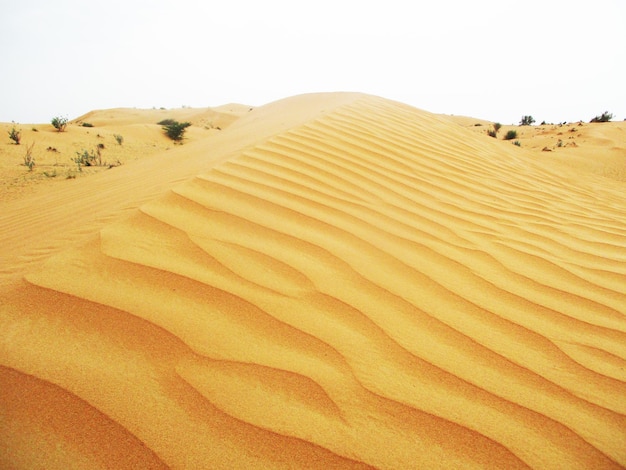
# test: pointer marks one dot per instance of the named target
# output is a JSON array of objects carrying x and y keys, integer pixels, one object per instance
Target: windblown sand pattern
[{"x": 367, "y": 286}]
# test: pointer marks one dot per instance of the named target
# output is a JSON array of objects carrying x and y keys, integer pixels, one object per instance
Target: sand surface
[{"x": 328, "y": 281}]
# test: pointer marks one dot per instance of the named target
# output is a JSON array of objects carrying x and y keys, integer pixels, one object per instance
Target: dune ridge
[{"x": 357, "y": 283}]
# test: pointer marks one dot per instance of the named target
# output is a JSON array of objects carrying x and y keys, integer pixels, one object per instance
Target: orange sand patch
[{"x": 332, "y": 281}]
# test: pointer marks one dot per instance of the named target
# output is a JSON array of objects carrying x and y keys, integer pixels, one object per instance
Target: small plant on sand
[
  {"x": 119, "y": 139},
  {"x": 87, "y": 124},
  {"x": 517, "y": 143},
  {"x": 526, "y": 121},
  {"x": 15, "y": 135},
  {"x": 176, "y": 130},
  {"x": 494, "y": 132},
  {"x": 510, "y": 135},
  {"x": 59, "y": 123},
  {"x": 29, "y": 160},
  {"x": 604, "y": 117},
  {"x": 93, "y": 158},
  {"x": 88, "y": 158},
  {"x": 166, "y": 122}
]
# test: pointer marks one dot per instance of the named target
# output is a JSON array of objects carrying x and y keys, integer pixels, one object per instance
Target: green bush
[
  {"x": 87, "y": 124},
  {"x": 166, "y": 122},
  {"x": 176, "y": 130},
  {"x": 59, "y": 123},
  {"x": 526, "y": 121},
  {"x": 510, "y": 135},
  {"x": 119, "y": 139},
  {"x": 15, "y": 135},
  {"x": 605, "y": 117}
]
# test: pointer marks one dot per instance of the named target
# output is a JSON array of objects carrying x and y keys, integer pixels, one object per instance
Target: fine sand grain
[{"x": 330, "y": 281}]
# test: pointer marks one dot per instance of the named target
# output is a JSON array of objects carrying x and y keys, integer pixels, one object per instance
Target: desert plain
[{"x": 331, "y": 280}]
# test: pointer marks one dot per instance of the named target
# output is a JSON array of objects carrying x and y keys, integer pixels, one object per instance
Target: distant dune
[{"x": 328, "y": 281}]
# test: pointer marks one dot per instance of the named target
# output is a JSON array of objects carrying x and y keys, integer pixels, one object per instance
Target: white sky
[{"x": 556, "y": 60}]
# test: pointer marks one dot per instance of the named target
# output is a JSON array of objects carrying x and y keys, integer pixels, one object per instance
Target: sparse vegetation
[
  {"x": 494, "y": 132},
  {"x": 604, "y": 117},
  {"x": 175, "y": 130},
  {"x": 517, "y": 143},
  {"x": 85, "y": 158},
  {"x": 59, "y": 123},
  {"x": 92, "y": 158},
  {"x": 166, "y": 122},
  {"x": 119, "y": 139},
  {"x": 29, "y": 160},
  {"x": 510, "y": 135},
  {"x": 526, "y": 121},
  {"x": 15, "y": 135},
  {"x": 87, "y": 124}
]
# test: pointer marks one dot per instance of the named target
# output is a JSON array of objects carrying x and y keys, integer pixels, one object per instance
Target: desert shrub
[
  {"x": 119, "y": 139},
  {"x": 604, "y": 117},
  {"x": 85, "y": 158},
  {"x": 510, "y": 135},
  {"x": 29, "y": 160},
  {"x": 87, "y": 124},
  {"x": 166, "y": 122},
  {"x": 494, "y": 132},
  {"x": 88, "y": 158},
  {"x": 59, "y": 123},
  {"x": 176, "y": 130},
  {"x": 15, "y": 135},
  {"x": 526, "y": 121},
  {"x": 517, "y": 143}
]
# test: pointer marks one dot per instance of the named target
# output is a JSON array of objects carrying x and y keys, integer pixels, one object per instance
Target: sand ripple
[{"x": 372, "y": 286}]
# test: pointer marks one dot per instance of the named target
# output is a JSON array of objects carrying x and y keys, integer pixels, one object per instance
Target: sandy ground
[{"x": 328, "y": 281}]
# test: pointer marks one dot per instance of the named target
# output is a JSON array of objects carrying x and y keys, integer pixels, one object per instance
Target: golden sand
[{"x": 329, "y": 281}]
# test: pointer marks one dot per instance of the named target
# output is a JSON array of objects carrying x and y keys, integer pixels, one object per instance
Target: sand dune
[{"x": 333, "y": 281}]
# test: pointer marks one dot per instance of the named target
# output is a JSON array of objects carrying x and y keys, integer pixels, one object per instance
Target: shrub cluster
[
  {"x": 494, "y": 132},
  {"x": 173, "y": 129}
]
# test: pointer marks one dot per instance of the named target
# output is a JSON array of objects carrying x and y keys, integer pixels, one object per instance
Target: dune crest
[{"x": 355, "y": 283}]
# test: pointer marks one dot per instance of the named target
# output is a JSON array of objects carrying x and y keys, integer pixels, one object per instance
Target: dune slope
[{"x": 357, "y": 284}]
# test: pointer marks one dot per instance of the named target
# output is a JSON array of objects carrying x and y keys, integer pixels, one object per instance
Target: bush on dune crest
[
  {"x": 526, "y": 121},
  {"x": 604, "y": 117}
]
